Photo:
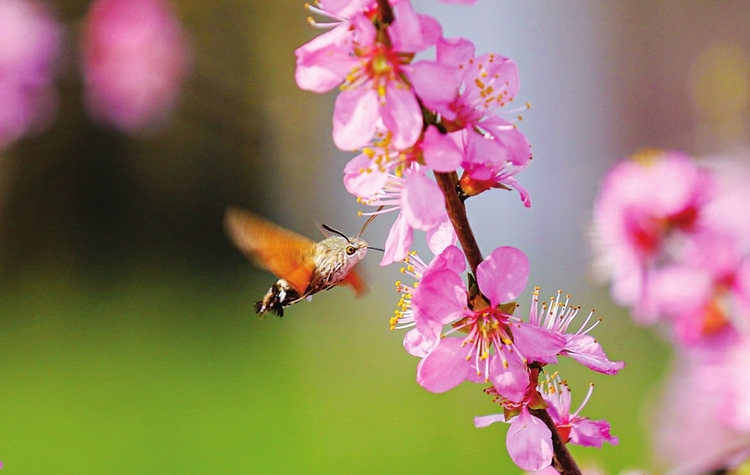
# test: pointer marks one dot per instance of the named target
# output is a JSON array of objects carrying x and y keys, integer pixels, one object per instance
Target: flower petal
[
  {"x": 590, "y": 433},
  {"x": 442, "y": 235},
  {"x": 419, "y": 344},
  {"x": 401, "y": 116},
  {"x": 436, "y": 95},
  {"x": 454, "y": 51},
  {"x": 444, "y": 368},
  {"x": 587, "y": 351},
  {"x": 355, "y": 117},
  {"x": 538, "y": 344},
  {"x": 423, "y": 201},
  {"x": 529, "y": 442},
  {"x": 503, "y": 275},
  {"x": 441, "y": 298},
  {"x": 484, "y": 421},
  {"x": 510, "y": 377},
  {"x": 362, "y": 179},
  {"x": 441, "y": 153},
  {"x": 323, "y": 62},
  {"x": 411, "y": 32},
  {"x": 398, "y": 242}
]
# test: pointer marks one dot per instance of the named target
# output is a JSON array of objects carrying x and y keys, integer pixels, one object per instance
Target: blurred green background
[{"x": 128, "y": 343}]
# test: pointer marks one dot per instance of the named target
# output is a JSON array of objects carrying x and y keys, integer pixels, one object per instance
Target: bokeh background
[{"x": 128, "y": 343}]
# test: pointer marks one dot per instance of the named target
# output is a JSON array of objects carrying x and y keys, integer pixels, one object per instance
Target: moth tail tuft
[{"x": 280, "y": 295}]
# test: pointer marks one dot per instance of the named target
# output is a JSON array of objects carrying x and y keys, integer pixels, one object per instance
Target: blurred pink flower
[
  {"x": 707, "y": 293},
  {"x": 645, "y": 203},
  {"x": 135, "y": 58},
  {"x": 702, "y": 422},
  {"x": 30, "y": 43}
]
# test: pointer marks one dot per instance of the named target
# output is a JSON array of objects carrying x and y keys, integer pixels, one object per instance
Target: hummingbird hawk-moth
[{"x": 303, "y": 266}]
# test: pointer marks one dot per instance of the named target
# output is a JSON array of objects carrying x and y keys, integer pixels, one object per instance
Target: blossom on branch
[
  {"x": 529, "y": 441},
  {"x": 367, "y": 59},
  {"x": 496, "y": 346}
]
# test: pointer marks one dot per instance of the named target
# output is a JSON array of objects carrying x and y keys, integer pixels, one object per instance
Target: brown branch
[
  {"x": 385, "y": 12},
  {"x": 457, "y": 213},
  {"x": 563, "y": 462}
]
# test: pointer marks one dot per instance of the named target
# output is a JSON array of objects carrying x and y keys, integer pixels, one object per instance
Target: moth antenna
[
  {"x": 369, "y": 220},
  {"x": 335, "y": 231}
]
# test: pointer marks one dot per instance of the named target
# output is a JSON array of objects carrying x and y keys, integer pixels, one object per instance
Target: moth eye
[{"x": 350, "y": 250}]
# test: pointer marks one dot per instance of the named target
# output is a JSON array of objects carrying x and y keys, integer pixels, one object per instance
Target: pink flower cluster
[
  {"x": 527, "y": 433},
  {"x": 135, "y": 58},
  {"x": 673, "y": 236},
  {"x": 487, "y": 342},
  {"x": 410, "y": 119},
  {"x": 413, "y": 120}
]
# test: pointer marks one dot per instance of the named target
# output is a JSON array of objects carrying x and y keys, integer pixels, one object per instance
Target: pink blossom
[
  {"x": 557, "y": 316},
  {"x": 730, "y": 176},
  {"x": 418, "y": 199},
  {"x": 532, "y": 451},
  {"x": 367, "y": 173},
  {"x": 701, "y": 423},
  {"x": 496, "y": 347},
  {"x": 573, "y": 427},
  {"x": 528, "y": 440},
  {"x": 135, "y": 57},
  {"x": 490, "y": 162},
  {"x": 426, "y": 333},
  {"x": 30, "y": 43},
  {"x": 732, "y": 384},
  {"x": 376, "y": 98},
  {"x": 706, "y": 294},
  {"x": 644, "y": 205},
  {"x": 471, "y": 92}
]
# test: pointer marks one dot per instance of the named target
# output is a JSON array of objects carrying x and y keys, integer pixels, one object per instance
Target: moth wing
[
  {"x": 283, "y": 252},
  {"x": 356, "y": 281}
]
